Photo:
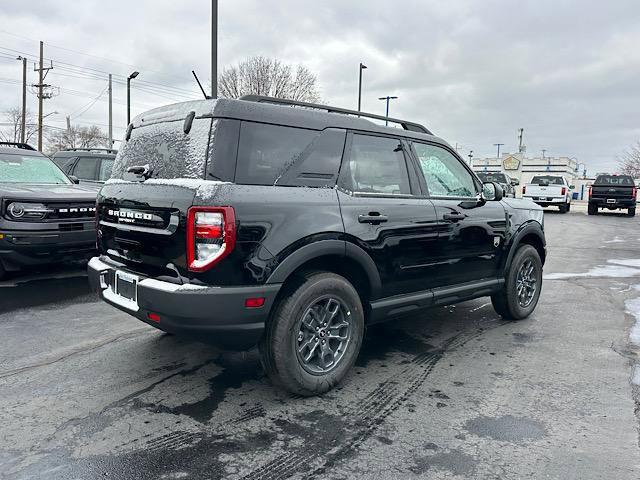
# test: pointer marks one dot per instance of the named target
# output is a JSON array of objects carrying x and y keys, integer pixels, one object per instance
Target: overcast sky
[{"x": 568, "y": 72}]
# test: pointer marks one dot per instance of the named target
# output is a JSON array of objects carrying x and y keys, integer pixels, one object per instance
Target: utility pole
[
  {"x": 69, "y": 125},
  {"x": 40, "y": 95},
  {"x": 387, "y": 98},
  {"x": 362, "y": 67},
  {"x": 470, "y": 156},
  {"x": 110, "y": 113},
  {"x": 214, "y": 48},
  {"x": 544, "y": 150},
  {"x": 42, "y": 73},
  {"x": 23, "y": 123},
  {"x": 498, "y": 145},
  {"x": 520, "y": 136}
]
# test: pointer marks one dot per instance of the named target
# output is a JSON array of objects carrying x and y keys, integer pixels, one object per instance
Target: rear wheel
[
  {"x": 523, "y": 283},
  {"x": 568, "y": 207},
  {"x": 592, "y": 209},
  {"x": 631, "y": 212},
  {"x": 3, "y": 272},
  {"x": 314, "y": 334},
  {"x": 564, "y": 208}
]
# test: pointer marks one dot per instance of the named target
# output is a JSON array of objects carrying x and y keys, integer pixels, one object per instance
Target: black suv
[
  {"x": 86, "y": 164},
  {"x": 294, "y": 226},
  {"x": 507, "y": 183},
  {"x": 44, "y": 216}
]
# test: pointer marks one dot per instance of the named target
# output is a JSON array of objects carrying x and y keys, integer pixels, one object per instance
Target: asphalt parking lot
[{"x": 87, "y": 392}]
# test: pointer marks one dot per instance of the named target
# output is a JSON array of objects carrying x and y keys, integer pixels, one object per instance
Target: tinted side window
[
  {"x": 266, "y": 152},
  {"x": 65, "y": 163},
  {"x": 444, "y": 173},
  {"x": 85, "y": 168},
  {"x": 106, "y": 165},
  {"x": 377, "y": 165}
]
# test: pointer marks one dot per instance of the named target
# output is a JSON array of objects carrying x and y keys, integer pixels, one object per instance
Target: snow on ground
[{"x": 618, "y": 268}]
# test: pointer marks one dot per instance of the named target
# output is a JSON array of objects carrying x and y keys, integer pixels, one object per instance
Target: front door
[
  {"x": 472, "y": 231},
  {"x": 385, "y": 213}
]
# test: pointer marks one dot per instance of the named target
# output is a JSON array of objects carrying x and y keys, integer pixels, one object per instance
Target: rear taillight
[
  {"x": 211, "y": 236},
  {"x": 524, "y": 189},
  {"x": 634, "y": 193},
  {"x": 590, "y": 189},
  {"x": 563, "y": 191}
]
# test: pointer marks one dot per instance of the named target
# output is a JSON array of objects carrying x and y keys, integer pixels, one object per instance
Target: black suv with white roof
[
  {"x": 44, "y": 216},
  {"x": 294, "y": 226}
]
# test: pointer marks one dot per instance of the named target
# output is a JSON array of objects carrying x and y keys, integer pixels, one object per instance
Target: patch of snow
[
  {"x": 616, "y": 239},
  {"x": 192, "y": 183},
  {"x": 619, "y": 268},
  {"x": 635, "y": 379},
  {"x": 632, "y": 307}
]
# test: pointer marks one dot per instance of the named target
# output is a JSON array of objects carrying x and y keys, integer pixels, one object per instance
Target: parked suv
[
  {"x": 294, "y": 226},
  {"x": 92, "y": 165},
  {"x": 507, "y": 183},
  {"x": 44, "y": 216}
]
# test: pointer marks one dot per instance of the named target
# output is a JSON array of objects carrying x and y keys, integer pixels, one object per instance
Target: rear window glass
[
  {"x": 547, "y": 180},
  {"x": 30, "y": 169},
  {"x": 493, "y": 177},
  {"x": 166, "y": 149},
  {"x": 277, "y": 155},
  {"x": 614, "y": 180}
]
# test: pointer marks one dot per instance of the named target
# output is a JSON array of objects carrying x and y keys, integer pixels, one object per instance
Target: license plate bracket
[{"x": 126, "y": 286}]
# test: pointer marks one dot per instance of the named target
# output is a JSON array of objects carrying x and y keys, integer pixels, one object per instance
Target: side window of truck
[{"x": 288, "y": 156}]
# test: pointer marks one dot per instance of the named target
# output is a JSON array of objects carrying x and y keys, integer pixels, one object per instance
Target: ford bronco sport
[
  {"x": 294, "y": 226},
  {"x": 44, "y": 216}
]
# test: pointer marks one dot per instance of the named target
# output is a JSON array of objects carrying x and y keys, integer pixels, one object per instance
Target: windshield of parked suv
[
  {"x": 30, "y": 169},
  {"x": 493, "y": 177},
  {"x": 546, "y": 180},
  {"x": 615, "y": 180}
]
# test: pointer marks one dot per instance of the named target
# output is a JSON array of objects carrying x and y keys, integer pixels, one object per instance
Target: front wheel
[
  {"x": 314, "y": 334},
  {"x": 523, "y": 283}
]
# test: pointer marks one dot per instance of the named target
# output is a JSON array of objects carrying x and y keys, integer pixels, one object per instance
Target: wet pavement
[{"x": 87, "y": 392}]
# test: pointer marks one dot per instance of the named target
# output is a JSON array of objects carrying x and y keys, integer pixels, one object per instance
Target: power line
[{"x": 91, "y": 104}]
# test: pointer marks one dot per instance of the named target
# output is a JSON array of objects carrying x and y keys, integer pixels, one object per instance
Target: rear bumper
[
  {"x": 21, "y": 249},
  {"x": 549, "y": 201},
  {"x": 619, "y": 203},
  {"x": 214, "y": 314}
]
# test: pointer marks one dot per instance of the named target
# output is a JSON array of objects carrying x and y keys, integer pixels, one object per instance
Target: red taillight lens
[
  {"x": 524, "y": 189},
  {"x": 211, "y": 236},
  {"x": 634, "y": 193},
  {"x": 590, "y": 188},
  {"x": 563, "y": 191}
]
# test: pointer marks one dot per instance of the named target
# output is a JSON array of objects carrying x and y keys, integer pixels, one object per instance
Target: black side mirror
[
  {"x": 74, "y": 179},
  {"x": 515, "y": 182},
  {"x": 492, "y": 192}
]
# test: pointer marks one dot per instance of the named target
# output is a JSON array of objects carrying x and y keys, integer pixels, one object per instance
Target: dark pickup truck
[
  {"x": 614, "y": 192},
  {"x": 44, "y": 216}
]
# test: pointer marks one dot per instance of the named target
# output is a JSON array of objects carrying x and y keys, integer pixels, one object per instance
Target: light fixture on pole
[
  {"x": 387, "y": 99},
  {"x": 362, "y": 67},
  {"x": 129, "y": 78},
  {"x": 498, "y": 145}
]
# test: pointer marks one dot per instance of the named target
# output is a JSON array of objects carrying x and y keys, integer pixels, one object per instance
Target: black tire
[
  {"x": 3, "y": 272},
  {"x": 507, "y": 303},
  {"x": 564, "y": 208},
  {"x": 568, "y": 207},
  {"x": 592, "y": 209},
  {"x": 279, "y": 348},
  {"x": 631, "y": 212}
]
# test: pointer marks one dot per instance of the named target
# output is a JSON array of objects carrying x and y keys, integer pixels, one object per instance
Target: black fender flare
[
  {"x": 323, "y": 248},
  {"x": 531, "y": 227}
]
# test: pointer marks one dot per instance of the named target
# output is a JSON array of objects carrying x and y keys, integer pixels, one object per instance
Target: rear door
[
  {"x": 472, "y": 232},
  {"x": 385, "y": 213}
]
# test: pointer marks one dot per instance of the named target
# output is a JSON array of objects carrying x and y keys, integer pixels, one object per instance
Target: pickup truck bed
[{"x": 549, "y": 190}]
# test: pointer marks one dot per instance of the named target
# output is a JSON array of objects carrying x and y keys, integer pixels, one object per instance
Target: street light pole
[
  {"x": 362, "y": 67},
  {"x": 470, "y": 156},
  {"x": 387, "y": 99},
  {"x": 129, "y": 78},
  {"x": 23, "y": 123},
  {"x": 498, "y": 145}
]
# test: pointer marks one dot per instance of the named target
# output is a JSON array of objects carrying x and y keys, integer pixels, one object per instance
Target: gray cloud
[{"x": 474, "y": 72}]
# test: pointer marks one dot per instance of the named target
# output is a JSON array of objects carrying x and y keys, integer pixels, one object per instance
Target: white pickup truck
[{"x": 549, "y": 191}]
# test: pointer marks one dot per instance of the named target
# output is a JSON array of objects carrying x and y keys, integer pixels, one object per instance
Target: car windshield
[
  {"x": 546, "y": 180},
  {"x": 15, "y": 168},
  {"x": 493, "y": 177},
  {"x": 614, "y": 180}
]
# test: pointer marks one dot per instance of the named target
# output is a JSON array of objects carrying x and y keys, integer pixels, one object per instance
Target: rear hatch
[
  {"x": 158, "y": 171},
  {"x": 611, "y": 188}
]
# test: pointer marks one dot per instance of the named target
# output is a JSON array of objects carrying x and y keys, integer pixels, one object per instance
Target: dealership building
[{"x": 524, "y": 168}]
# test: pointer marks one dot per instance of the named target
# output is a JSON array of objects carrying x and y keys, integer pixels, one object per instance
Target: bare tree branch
[
  {"x": 630, "y": 161},
  {"x": 77, "y": 137},
  {"x": 12, "y": 126},
  {"x": 270, "y": 77}
]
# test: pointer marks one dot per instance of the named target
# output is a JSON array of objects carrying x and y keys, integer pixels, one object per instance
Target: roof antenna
[{"x": 200, "y": 85}]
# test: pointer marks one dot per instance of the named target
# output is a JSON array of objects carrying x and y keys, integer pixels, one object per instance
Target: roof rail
[
  {"x": 22, "y": 146},
  {"x": 411, "y": 126},
  {"x": 107, "y": 150}
]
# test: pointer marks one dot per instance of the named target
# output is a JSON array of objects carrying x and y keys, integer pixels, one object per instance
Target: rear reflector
[
  {"x": 154, "y": 317},
  {"x": 254, "y": 302}
]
